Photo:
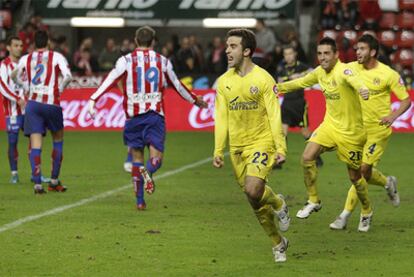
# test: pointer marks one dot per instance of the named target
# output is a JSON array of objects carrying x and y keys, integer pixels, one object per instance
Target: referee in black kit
[{"x": 294, "y": 107}]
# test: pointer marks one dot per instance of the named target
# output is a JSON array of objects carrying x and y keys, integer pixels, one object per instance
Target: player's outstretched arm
[
  {"x": 199, "y": 102},
  {"x": 306, "y": 81}
]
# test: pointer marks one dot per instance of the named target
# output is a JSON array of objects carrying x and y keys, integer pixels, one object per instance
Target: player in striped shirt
[
  {"x": 144, "y": 74},
  {"x": 13, "y": 102},
  {"x": 42, "y": 68}
]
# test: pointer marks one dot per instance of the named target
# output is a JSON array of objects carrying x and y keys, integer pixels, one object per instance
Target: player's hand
[
  {"x": 387, "y": 120},
  {"x": 218, "y": 162},
  {"x": 22, "y": 103},
  {"x": 364, "y": 92},
  {"x": 200, "y": 102},
  {"x": 91, "y": 108},
  {"x": 280, "y": 159}
]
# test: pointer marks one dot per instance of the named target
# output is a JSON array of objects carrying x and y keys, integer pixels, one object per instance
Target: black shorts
[{"x": 295, "y": 113}]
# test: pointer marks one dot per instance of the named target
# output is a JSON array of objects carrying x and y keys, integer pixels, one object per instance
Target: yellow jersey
[
  {"x": 380, "y": 81},
  {"x": 341, "y": 88},
  {"x": 247, "y": 112}
]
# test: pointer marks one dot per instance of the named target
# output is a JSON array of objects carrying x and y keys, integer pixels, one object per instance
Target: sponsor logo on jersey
[{"x": 254, "y": 90}]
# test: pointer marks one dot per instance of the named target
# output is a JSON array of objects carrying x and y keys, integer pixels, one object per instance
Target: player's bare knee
[
  {"x": 253, "y": 191},
  {"x": 366, "y": 171}
]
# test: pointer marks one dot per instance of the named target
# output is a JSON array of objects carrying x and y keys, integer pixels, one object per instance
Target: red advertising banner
[{"x": 180, "y": 115}]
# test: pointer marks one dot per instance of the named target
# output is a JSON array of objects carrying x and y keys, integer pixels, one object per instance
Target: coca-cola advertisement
[{"x": 180, "y": 115}]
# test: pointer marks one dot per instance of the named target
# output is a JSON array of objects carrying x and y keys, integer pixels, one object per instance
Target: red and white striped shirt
[
  {"x": 43, "y": 69},
  {"x": 145, "y": 75},
  {"x": 10, "y": 91}
]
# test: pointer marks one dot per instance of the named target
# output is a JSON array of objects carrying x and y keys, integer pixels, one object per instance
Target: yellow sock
[
  {"x": 266, "y": 219},
  {"x": 377, "y": 178},
  {"x": 351, "y": 200},
  {"x": 310, "y": 172},
  {"x": 270, "y": 198},
  {"x": 361, "y": 187}
]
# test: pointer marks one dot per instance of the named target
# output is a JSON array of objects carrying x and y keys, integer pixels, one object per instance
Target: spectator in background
[
  {"x": 62, "y": 46},
  {"x": 3, "y": 50},
  {"x": 125, "y": 47},
  {"x": 370, "y": 14},
  {"x": 27, "y": 36},
  {"x": 185, "y": 57},
  {"x": 197, "y": 50},
  {"x": 328, "y": 14},
  {"x": 168, "y": 51},
  {"x": 38, "y": 23},
  {"x": 292, "y": 39},
  {"x": 347, "y": 13},
  {"x": 265, "y": 37},
  {"x": 84, "y": 64},
  {"x": 86, "y": 44},
  {"x": 108, "y": 55},
  {"x": 217, "y": 60}
]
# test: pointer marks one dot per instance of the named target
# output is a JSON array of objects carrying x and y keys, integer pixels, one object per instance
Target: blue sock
[
  {"x": 129, "y": 156},
  {"x": 57, "y": 157},
  {"x": 35, "y": 161},
  {"x": 153, "y": 164},
  {"x": 138, "y": 182},
  {"x": 13, "y": 154}
]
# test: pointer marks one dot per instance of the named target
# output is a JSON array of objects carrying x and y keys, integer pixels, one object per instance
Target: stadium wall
[{"x": 180, "y": 115}]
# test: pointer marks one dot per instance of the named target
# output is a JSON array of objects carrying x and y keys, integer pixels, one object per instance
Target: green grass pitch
[{"x": 198, "y": 222}]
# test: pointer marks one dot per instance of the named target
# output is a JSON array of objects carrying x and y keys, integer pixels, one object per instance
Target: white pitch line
[{"x": 85, "y": 201}]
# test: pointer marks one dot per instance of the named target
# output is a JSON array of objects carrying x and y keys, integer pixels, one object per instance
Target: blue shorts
[
  {"x": 40, "y": 116},
  {"x": 14, "y": 123},
  {"x": 146, "y": 129}
]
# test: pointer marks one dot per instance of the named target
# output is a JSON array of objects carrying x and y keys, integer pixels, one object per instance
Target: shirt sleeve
[
  {"x": 5, "y": 90},
  {"x": 65, "y": 71},
  {"x": 173, "y": 80},
  {"x": 274, "y": 115},
  {"x": 308, "y": 80},
  {"x": 352, "y": 79},
  {"x": 221, "y": 123},
  {"x": 120, "y": 68},
  {"x": 397, "y": 86}
]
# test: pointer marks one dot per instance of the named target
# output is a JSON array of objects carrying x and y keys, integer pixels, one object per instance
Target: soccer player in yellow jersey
[
  {"x": 378, "y": 117},
  {"x": 342, "y": 128},
  {"x": 247, "y": 112}
]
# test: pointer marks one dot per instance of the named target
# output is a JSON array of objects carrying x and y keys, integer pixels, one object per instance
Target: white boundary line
[{"x": 85, "y": 201}]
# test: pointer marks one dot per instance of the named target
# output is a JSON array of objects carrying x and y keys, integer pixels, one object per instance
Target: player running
[
  {"x": 342, "y": 128},
  {"x": 145, "y": 75},
  {"x": 378, "y": 117},
  {"x": 248, "y": 113}
]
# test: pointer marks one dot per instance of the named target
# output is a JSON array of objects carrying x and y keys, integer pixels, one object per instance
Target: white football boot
[
  {"x": 283, "y": 215},
  {"x": 309, "y": 208},
  {"x": 279, "y": 251},
  {"x": 392, "y": 192},
  {"x": 365, "y": 222}
]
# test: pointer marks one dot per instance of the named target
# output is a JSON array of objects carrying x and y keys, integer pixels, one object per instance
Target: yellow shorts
[
  {"x": 377, "y": 141},
  {"x": 256, "y": 162},
  {"x": 348, "y": 147}
]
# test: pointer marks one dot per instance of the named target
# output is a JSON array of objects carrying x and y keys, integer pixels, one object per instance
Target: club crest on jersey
[
  {"x": 348, "y": 72},
  {"x": 376, "y": 81},
  {"x": 275, "y": 90},
  {"x": 254, "y": 90}
]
